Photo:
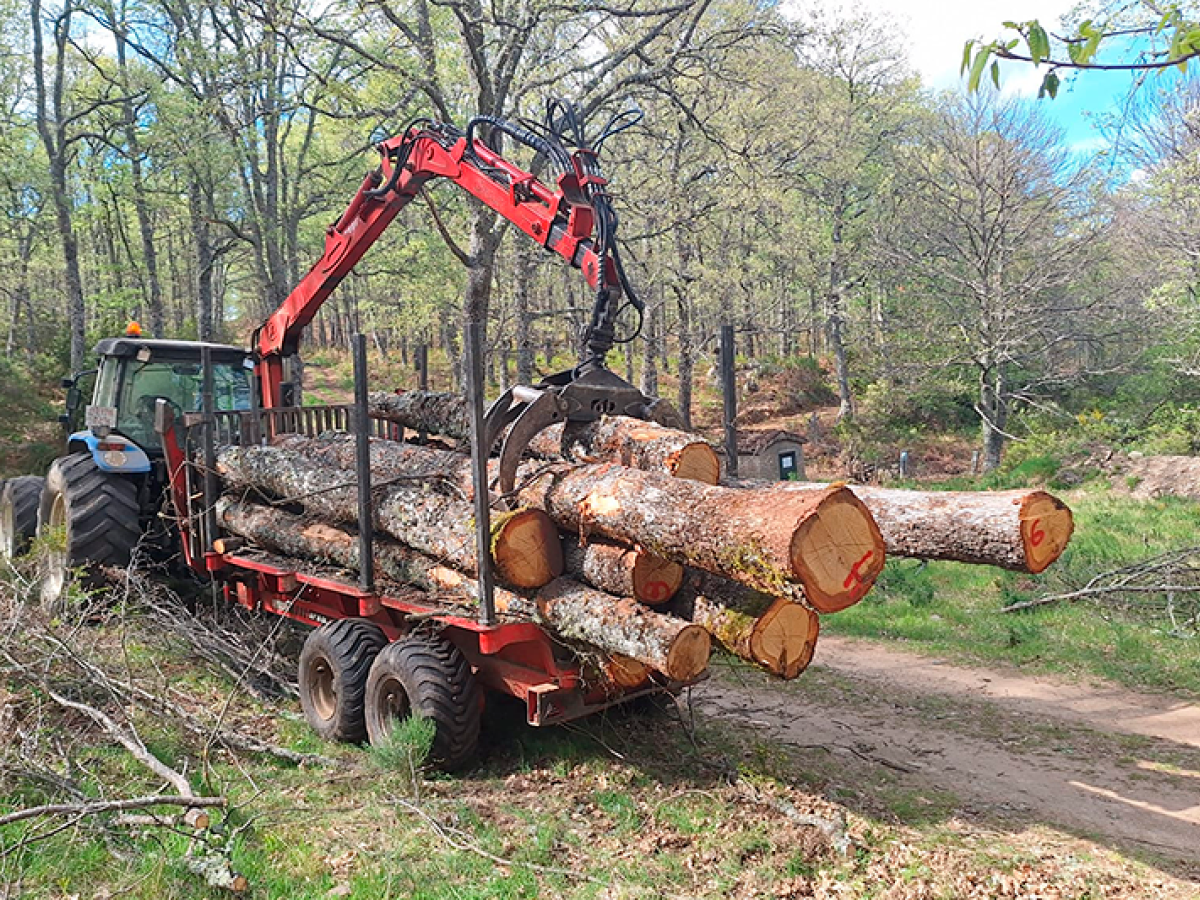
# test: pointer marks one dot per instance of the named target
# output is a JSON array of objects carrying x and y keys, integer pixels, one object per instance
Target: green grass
[{"x": 954, "y": 609}]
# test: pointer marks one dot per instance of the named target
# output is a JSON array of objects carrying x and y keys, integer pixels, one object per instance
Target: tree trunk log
[
  {"x": 431, "y": 411},
  {"x": 633, "y": 443},
  {"x": 1022, "y": 530},
  {"x": 770, "y": 539},
  {"x": 623, "y": 571},
  {"x": 565, "y": 608},
  {"x": 773, "y": 633},
  {"x": 774, "y": 541},
  {"x": 525, "y": 546}
]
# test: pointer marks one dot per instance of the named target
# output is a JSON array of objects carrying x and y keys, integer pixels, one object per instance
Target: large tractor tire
[
  {"x": 99, "y": 513},
  {"x": 428, "y": 676},
  {"x": 333, "y": 677},
  {"x": 19, "y": 500}
]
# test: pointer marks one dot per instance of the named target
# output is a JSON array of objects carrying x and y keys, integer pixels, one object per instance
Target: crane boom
[{"x": 561, "y": 218}]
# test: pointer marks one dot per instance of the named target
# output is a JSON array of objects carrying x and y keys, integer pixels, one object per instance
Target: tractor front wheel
[
  {"x": 91, "y": 519},
  {"x": 18, "y": 514}
]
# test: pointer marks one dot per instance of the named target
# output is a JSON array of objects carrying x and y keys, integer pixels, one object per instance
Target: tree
[{"x": 994, "y": 235}]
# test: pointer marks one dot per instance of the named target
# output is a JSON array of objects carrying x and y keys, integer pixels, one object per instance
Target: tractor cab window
[{"x": 180, "y": 384}]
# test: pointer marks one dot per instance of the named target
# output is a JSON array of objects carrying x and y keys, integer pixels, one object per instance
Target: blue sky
[{"x": 934, "y": 32}]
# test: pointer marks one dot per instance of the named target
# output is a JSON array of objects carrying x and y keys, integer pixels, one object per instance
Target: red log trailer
[{"x": 382, "y": 651}]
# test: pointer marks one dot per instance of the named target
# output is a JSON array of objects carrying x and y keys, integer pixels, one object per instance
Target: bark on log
[
  {"x": 773, "y": 633},
  {"x": 565, "y": 608},
  {"x": 436, "y": 413},
  {"x": 774, "y": 541},
  {"x": 526, "y": 546},
  {"x": 770, "y": 539},
  {"x": 1022, "y": 530},
  {"x": 623, "y": 571},
  {"x": 633, "y": 443}
]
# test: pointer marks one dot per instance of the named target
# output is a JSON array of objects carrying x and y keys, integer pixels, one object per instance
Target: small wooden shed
[{"x": 775, "y": 455}]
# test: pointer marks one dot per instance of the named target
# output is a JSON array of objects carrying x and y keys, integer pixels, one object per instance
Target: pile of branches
[
  {"x": 71, "y": 683},
  {"x": 1163, "y": 591}
]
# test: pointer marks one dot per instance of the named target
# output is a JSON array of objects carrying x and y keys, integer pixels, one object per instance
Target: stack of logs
[{"x": 622, "y": 542}]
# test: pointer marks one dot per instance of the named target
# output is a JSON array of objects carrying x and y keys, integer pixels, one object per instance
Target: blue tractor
[{"x": 106, "y": 493}]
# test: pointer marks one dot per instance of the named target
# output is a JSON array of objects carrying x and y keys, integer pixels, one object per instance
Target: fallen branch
[{"x": 104, "y": 806}]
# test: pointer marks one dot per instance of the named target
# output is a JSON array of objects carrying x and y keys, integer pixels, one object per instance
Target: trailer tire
[
  {"x": 19, "y": 501},
  {"x": 428, "y": 676},
  {"x": 99, "y": 512},
  {"x": 333, "y": 677}
]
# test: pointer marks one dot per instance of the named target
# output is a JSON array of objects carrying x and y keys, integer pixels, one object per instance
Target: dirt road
[{"x": 1118, "y": 768}]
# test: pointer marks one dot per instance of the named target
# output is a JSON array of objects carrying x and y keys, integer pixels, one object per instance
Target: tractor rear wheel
[
  {"x": 427, "y": 676},
  {"x": 97, "y": 510},
  {"x": 18, "y": 514},
  {"x": 333, "y": 677}
]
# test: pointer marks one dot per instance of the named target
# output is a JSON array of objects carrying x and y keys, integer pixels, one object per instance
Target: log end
[
  {"x": 655, "y": 580},
  {"x": 696, "y": 461},
  {"x": 688, "y": 656},
  {"x": 838, "y": 552},
  {"x": 625, "y": 672},
  {"x": 526, "y": 548},
  {"x": 785, "y": 638},
  {"x": 1046, "y": 528}
]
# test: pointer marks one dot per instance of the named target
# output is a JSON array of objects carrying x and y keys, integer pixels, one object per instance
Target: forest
[{"x": 940, "y": 261}]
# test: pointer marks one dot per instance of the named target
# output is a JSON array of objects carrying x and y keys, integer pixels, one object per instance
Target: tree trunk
[
  {"x": 526, "y": 263},
  {"x": 631, "y": 442},
  {"x": 525, "y": 545},
  {"x": 429, "y": 411},
  {"x": 566, "y": 608},
  {"x": 775, "y": 634},
  {"x": 623, "y": 571},
  {"x": 769, "y": 538},
  {"x": 1020, "y": 530}
]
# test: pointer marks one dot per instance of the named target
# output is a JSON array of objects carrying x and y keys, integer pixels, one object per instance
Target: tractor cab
[{"x": 132, "y": 375}]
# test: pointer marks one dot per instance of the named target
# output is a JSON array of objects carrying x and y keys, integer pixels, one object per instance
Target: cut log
[
  {"x": 436, "y": 413},
  {"x": 413, "y": 512},
  {"x": 1022, "y": 530},
  {"x": 623, "y": 571},
  {"x": 633, "y": 443},
  {"x": 770, "y": 539},
  {"x": 566, "y": 609},
  {"x": 773, "y": 633}
]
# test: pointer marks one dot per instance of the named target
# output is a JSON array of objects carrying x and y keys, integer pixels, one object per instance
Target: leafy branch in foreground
[{"x": 1153, "y": 38}]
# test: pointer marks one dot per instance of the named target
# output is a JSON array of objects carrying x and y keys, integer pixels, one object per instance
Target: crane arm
[{"x": 562, "y": 219}]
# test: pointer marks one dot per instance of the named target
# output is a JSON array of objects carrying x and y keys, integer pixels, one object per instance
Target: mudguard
[{"x": 130, "y": 459}]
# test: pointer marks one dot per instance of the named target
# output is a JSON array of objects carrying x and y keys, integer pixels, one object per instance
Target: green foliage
[{"x": 406, "y": 747}]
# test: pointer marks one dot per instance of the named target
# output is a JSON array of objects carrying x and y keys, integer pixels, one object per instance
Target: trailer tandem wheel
[
  {"x": 333, "y": 677},
  {"x": 429, "y": 676}
]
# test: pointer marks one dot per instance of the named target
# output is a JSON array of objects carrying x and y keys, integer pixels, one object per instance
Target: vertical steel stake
[
  {"x": 208, "y": 408},
  {"x": 422, "y": 380},
  {"x": 479, "y": 473},
  {"x": 362, "y": 467},
  {"x": 729, "y": 392}
]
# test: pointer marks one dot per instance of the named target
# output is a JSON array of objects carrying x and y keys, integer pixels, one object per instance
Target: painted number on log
[
  {"x": 1036, "y": 534},
  {"x": 654, "y": 591},
  {"x": 855, "y": 576}
]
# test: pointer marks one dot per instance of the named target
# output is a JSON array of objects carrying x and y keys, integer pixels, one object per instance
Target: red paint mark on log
[
  {"x": 1036, "y": 534},
  {"x": 855, "y": 576},
  {"x": 655, "y": 591}
]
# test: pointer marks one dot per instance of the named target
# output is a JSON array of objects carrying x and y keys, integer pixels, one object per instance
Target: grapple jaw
[{"x": 577, "y": 395}]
